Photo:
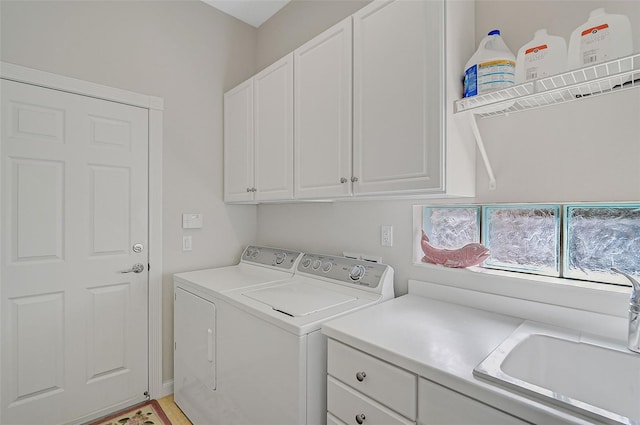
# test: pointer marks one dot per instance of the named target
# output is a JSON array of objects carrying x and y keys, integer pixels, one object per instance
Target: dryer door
[{"x": 194, "y": 348}]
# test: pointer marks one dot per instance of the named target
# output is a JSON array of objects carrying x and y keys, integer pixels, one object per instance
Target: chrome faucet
[{"x": 634, "y": 312}]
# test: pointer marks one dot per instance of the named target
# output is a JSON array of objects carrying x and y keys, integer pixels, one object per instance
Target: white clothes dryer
[
  {"x": 197, "y": 299},
  {"x": 272, "y": 356}
]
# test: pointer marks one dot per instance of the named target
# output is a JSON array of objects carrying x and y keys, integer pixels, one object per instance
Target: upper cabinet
[
  {"x": 258, "y": 136},
  {"x": 398, "y": 103},
  {"x": 322, "y": 115},
  {"x": 238, "y": 143},
  {"x": 370, "y": 115}
]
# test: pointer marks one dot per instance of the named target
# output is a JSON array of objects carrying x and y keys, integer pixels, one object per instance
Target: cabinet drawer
[
  {"x": 439, "y": 405},
  {"x": 332, "y": 420},
  {"x": 347, "y": 405},
  {"x": 381, "y": 381}
]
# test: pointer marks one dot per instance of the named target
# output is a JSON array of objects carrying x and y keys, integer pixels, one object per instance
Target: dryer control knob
[
  {"x": 326, "y": 267},
  {"x": 357, "y": 272},
  {"x": 306, "y": 262},
  {"x": 280, "y": 257},
  {"x": 316, "y": 264}
]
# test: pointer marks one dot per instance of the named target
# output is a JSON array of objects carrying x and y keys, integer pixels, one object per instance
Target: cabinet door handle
[
  {"x": 360, "y": 418},
  {"x": 354, "y": 179},
  {"x": 343, "y": 180},
  {"x": 360, "y": 376},
  {"x": 248, "y": 189}
]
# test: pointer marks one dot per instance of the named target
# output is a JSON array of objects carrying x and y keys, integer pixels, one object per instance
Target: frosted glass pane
[
  {"x": 451, "y": 227},
  {"x": 600, "y": 237},
  {"x": 523, "y": 238}
]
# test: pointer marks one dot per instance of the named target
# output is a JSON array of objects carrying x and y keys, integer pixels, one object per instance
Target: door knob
[{"x": 136, "y": 268}]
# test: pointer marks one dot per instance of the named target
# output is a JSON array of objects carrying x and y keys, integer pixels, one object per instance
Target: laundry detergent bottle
[
  {"x": 602, "y": 38},
  {"x": 542, "y": 57},
  {"x": 492, "y": 66}
]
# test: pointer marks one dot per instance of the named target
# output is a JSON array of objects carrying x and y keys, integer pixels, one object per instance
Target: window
[
  {"x": 598, "y": 237},
  {"x": 451, "y": 227},
  {"x": 523, "y": 238},
  {"x": 581, "y": 241}
]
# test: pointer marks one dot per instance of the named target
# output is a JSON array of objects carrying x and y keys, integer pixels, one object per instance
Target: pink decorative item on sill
[{"x": 469, "y": 255}]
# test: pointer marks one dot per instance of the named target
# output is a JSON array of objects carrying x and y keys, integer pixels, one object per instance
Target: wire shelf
[{"x": 603, "y": 78}]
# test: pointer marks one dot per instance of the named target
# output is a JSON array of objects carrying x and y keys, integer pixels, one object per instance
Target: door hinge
[{"x": 148, "y": 266}]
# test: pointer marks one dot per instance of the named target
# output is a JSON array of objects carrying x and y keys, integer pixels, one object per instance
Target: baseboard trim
[{"x": 167, "y": 388}]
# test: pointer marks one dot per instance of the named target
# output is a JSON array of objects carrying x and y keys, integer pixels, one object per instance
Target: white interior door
[{"x": 74, "y": 202}]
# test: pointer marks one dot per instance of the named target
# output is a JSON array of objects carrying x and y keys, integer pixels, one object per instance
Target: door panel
[
  {"x": 238, "y": 143},
  {"x": 37, "y": 195},
  {"x": 110, "y": 210},
  {"x": 36, "y": 327},
  {"x": 322, "y": 129},
  {"x": 74, "y": 201},
  {"x": 398, "y": 99},
  {"x": 273, "y": 120}
]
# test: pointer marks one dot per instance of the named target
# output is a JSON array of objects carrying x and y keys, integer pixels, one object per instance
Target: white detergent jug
[
  {"x": 602, "y": 38},
  {"x": 492, "y": 66},
  {"x": 542, "y": 57}
]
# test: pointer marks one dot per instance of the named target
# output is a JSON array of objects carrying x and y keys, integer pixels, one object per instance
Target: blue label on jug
[{"x": 471, "y": 81}]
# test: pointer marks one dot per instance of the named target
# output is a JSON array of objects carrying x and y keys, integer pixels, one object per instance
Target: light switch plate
[
  {"x": 187, "y": 243},
  {"x": 386, "y": 235}
]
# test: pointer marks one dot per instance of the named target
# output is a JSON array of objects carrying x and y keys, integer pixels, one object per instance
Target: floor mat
[{"x": 147, "y": 413}]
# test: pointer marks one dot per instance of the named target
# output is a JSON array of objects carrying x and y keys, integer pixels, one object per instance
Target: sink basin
[{"x": 593, "y": 377}]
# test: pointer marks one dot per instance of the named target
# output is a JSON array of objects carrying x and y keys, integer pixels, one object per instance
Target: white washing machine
[
  {"x": 271, "y": 355},
  {"x": 197, "y": 298}
]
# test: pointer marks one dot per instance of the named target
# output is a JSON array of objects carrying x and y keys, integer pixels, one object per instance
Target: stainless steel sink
[{"x": 591, "y": 376}]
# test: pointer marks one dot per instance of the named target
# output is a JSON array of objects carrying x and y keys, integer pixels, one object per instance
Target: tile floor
[{"x": 173, "y": 412}]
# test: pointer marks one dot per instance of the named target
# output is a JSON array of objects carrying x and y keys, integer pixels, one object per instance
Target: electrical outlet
[
  {"x": 187, "y": 243},
  {"x": 386, "y": 235}
]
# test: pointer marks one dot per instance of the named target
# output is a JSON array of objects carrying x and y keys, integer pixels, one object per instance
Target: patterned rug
[{"x": 147, "y": 413}]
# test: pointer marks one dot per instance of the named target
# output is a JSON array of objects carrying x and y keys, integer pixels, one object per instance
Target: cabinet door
[
  {"x": 238, "y": 143},
  {"x": 273, "y": 119},
  {"x": 398, "y": 96},
  {"x": 322, "y": 130},
  {"x": 352, "y": 407},
  {"x": 438, "y": 405}
]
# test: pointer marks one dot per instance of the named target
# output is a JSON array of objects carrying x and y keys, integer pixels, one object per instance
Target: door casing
[{"x": 155, "y": 106}]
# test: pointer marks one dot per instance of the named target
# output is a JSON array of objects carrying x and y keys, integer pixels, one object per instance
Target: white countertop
[{"x": 442, "y": 342}]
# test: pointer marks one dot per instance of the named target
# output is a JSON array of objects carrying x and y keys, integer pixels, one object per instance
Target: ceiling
[{"x": 253, "y": 12}]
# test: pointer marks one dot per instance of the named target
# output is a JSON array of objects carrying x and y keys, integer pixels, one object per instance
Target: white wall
[
  {"x": 189, "y": 54},
  {"x": 584, "y": 151},
  {"x": 298, "y": 22},
  {"x": 183, "y": 51}
]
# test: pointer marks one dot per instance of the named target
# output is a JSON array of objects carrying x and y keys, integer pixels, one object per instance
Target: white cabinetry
[
  {"x": 322, "y": 115},
  {"x": 370, "y": 117},
  {"x": 361, "y": 387},
  {"x": 258, "y": 158},
  {"x": 364, "y": 389},
  {"x": 400, "y": 138},
  {"x": 238, "y": 143},
  {"x": 438, "y": 405}
]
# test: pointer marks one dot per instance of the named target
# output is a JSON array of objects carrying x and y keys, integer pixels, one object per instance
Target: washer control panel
[
  {"x": 274, "y": 257},
  {"x": 344, "y": 270}
]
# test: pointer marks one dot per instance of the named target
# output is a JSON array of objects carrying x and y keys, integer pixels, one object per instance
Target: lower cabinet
[
  {"x": 362, "y": 389},
  {"x": 438, "y": 405}
]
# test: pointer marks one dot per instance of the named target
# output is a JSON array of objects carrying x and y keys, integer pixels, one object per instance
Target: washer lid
[{"x": 299, "y": 299}]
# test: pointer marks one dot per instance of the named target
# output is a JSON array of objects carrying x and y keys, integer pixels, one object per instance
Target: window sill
[{"x": 593, "y": 297}]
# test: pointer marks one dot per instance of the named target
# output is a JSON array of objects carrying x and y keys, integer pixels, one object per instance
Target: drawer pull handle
[
  {"x": 360, "y": 418},
  {"x": 360, "y": 376}
]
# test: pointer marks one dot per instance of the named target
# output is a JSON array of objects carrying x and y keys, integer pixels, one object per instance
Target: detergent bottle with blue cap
[{"x": 492, "y": 66}]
